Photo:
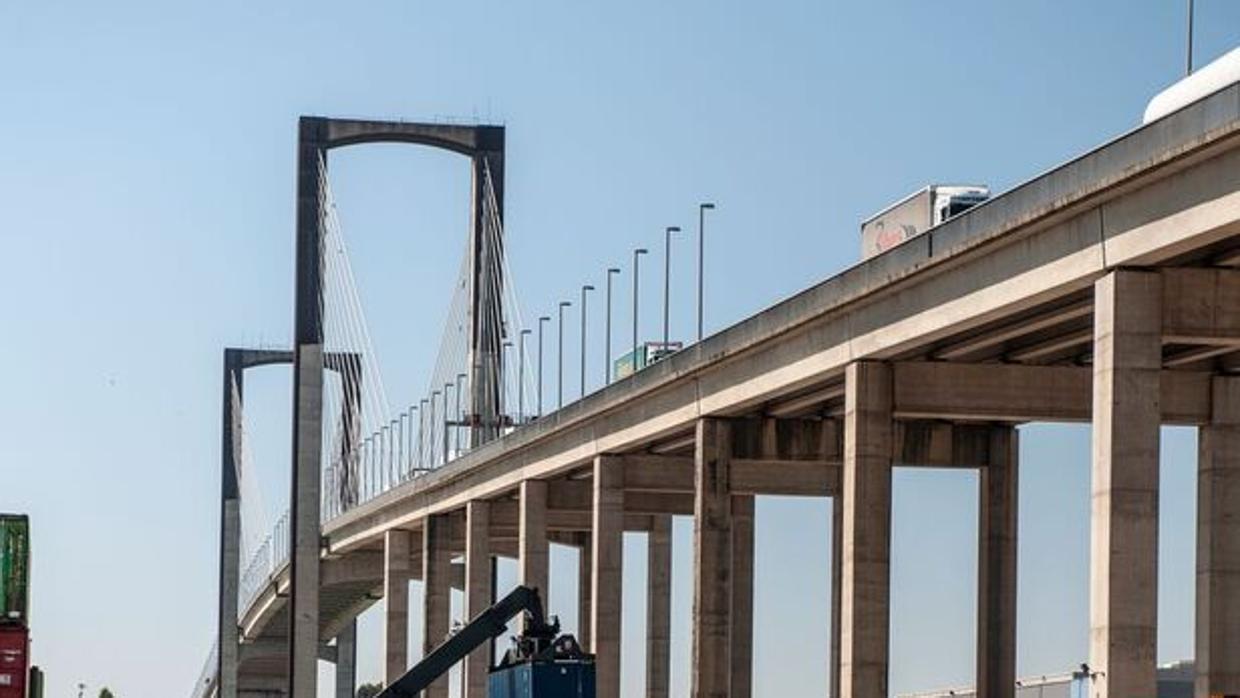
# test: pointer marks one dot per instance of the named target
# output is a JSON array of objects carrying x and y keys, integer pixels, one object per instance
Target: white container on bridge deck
[
  {"x": 917, "y": 213},
  {"x": 1222, "y": 72}
]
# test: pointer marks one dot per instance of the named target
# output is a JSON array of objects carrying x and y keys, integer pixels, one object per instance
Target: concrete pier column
[
  {"x": 607, "y": 574},
  {"x": 533, "y": 567},
  {"x": 865, "y": 610},
  {"x": 1124, "y": 523},
  {"x": 307, "y": 459},
  {"x": 712, "y": 561},
  {"x": 837, "y": 590},
  {"x": 397, "y": 571},
  {"x": 1218, "y": 544},
  {"x": 741, "y": 640},
  {"x": 584, "y": 598},
  {"x": 346, "y": 661},
  {"x": 996, "y": 568},
  {"x": 659, "y": 608},
  {"x": 230, "y": 525},
  {"x": 437, "y": 588},
  {"x": 477, "y": 591}
]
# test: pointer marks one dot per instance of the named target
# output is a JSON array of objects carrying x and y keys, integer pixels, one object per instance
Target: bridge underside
[{"x": 1105, "y": 292}]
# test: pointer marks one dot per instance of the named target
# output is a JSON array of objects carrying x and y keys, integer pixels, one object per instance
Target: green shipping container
[{"x": 14, "y": 569}]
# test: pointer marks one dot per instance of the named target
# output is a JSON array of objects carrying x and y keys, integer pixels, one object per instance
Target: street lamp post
[
  {"x": 637, "y": 253},
  {"x": 541, "y": 320},
  {"x": 384, "y": 460},
  {"x": 584, "y": 289},
  {"x": 421, "y": 424},
  {"x": 521, "y": 376},
  {"x": 392, "y": 446},
  {"x": 504, "y": 407},
  {"x": 400, "y": 448},
  {"x": 559, "y": 381},
  {"x": 460, "y": 382},
  {"x": 702, "y": 209},
  {"x": 612, "y": 271},
  {"x": 447, "y": 422},
  {"x": 1189, "y": 69},
  {"x": 434, "y": 428},
  {"x": 667, "y": 282},
  {"x": 413, "y": 409}
]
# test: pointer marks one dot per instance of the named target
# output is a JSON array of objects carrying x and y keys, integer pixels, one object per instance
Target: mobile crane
[{"x": 541, "y": 664}]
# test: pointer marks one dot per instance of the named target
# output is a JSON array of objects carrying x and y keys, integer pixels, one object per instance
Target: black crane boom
[{"x": 489, "y": 624}]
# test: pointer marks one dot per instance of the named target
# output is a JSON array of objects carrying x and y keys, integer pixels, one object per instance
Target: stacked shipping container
[{"x": 14, "y": 605}]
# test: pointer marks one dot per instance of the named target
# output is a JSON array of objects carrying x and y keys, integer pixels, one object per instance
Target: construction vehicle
[{"x": 542, "y": 663}]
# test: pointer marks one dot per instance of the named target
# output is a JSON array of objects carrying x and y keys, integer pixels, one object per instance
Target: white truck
[{"x": 917, "y": 213}]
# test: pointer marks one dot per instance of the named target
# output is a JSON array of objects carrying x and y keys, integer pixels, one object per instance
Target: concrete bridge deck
[{"x": 1106, "y": 290}]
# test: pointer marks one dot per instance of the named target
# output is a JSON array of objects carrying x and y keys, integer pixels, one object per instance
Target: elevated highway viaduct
[{"x": 1106, "y": 291}]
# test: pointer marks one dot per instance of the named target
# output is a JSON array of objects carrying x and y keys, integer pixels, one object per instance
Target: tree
[
  {"x": 106, "y": 692},
  {"x": 369, "y": 690}
]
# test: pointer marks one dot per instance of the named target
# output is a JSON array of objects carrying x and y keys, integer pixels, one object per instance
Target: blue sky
[{"x": 146, "y": 184}]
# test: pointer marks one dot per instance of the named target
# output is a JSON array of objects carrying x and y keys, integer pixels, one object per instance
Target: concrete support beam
[
  {"x": 1025, "y": 326},
  {"x": 533, "y": 566},
  {"x": 607, "y": 574},
  {"x": 1124, "y": 523},
  {"x": 790, "y": 478},
  {"x": 656, "y": 482},
  {"x": 1053, "y": 348},
  {"x": 437, "y": 588},
  {"x": 865, "y": 610},
  {"x": 1218, "y": 545},
  {"x": 712, "y": 561},
  {"x": 941, "y": 444},
  {"x": 740, "y": 641},
  {"x": 477, "y": 591},
  {"x": 1014, "y": 393},
  {"x": 659, "y": 608},
  {"x": 1200, "y": 306},
  {"x": 397, "y": 570},
  {"x": 346, "y": 661},
  {"x": 996, "y": 567}
]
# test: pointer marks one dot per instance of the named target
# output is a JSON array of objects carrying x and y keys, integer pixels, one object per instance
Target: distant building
[{"x": 1175, "y": 680}]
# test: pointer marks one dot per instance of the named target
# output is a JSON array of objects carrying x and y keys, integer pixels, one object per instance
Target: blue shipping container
[{"x": 562, "y": 679}]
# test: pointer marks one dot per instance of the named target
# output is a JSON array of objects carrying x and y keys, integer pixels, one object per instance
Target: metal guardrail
[{"x": 267, "y": 561}]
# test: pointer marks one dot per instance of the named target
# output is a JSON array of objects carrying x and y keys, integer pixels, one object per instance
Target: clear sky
[{"x": 146, "y": 184}]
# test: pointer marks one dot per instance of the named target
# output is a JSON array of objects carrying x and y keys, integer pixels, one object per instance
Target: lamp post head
[
  {"x": 673, "y": 229},
  {"x": 565, "y": 304},
  {"x": 587, "y": 287},
  {"x": 525, "y": 332},
  {"x": 544, "y": 318},
  {"x": 641, "y": 250},
  {"x": 613, "y": 270},
  {"x": 706, "y": 206}
]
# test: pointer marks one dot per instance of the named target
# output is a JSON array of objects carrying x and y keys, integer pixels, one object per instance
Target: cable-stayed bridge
[{"x": 1104, "y": 291}]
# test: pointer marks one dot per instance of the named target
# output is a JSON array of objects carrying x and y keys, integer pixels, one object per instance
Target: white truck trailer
[{"x": 917, "y": 213}]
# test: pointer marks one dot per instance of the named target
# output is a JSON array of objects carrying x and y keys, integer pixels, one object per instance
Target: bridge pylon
[{"x": 484, "y": 145}]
